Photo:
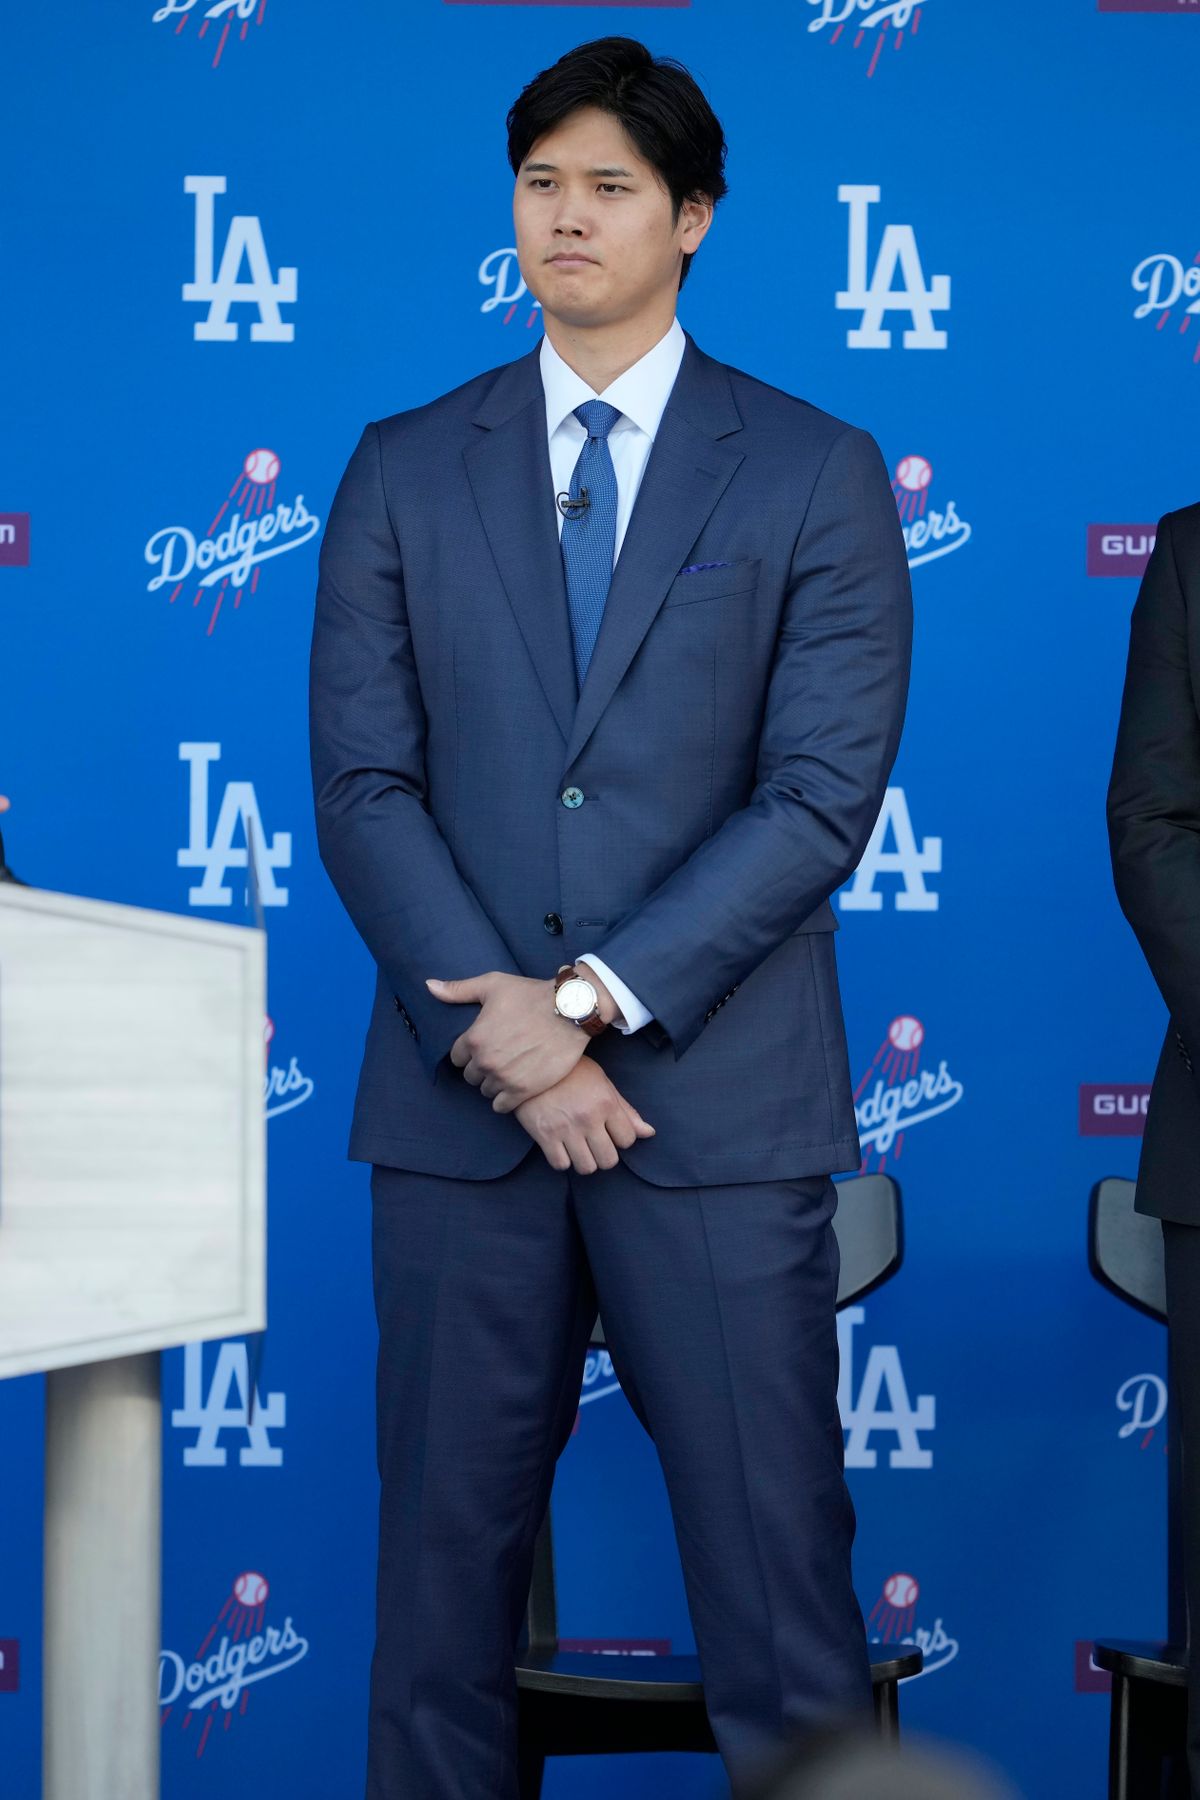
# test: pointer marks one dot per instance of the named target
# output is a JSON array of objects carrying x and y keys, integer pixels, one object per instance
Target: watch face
[{"x": 576, "y": 997}]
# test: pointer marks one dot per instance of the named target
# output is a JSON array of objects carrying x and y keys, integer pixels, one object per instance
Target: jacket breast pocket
[{"x": 721, "y": 583}]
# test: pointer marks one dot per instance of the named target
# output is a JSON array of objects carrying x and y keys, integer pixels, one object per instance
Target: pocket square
[{"x": 692, "y": 567}]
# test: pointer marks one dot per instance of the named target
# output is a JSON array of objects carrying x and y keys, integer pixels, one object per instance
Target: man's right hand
[{"x": 582, "y": 1120}]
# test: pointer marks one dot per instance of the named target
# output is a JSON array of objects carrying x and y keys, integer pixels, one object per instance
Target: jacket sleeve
[
  {"x": 831, "y": 728},
  {"x": 384, "y": 853},
  {"x": 1154, "y": 791}
]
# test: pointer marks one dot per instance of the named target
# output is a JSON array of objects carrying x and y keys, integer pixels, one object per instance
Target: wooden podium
[{"x": 132, "y": 1217}]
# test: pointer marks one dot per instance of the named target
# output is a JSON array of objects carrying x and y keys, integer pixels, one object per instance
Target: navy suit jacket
[{"x": 732, "y": 742}]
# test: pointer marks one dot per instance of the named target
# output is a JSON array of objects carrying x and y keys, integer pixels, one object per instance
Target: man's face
[{"x": 583, "y": 192}]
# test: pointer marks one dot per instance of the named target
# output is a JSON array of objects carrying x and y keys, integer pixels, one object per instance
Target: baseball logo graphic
[
  {"x": 262, "y": 466},
  {"x": 247, "y": 529},
  {"x": 236, "y": 1652},
  {"x": 932, "y": 529},
  {"x": 227, "y": 18},
  {"x": 906, "y": 1033},
  {"x": 251, "y": 1589},
  {"x": 894, "y": 1613},
  {"x": 871, "y": 26},
  {"x": 912, "y": 473},
  {"x": 896, "y": 1093},
  {"x": 901, "y": 1591}
]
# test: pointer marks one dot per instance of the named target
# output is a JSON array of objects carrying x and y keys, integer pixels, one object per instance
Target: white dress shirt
[{"x": 640, "y": 393}]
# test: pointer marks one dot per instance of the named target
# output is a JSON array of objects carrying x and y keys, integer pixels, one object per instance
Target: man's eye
[{"x": 536, "y": 181}]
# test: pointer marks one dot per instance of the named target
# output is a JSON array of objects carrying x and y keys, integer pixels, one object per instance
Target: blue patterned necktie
[{"x": 588, "y": 537}]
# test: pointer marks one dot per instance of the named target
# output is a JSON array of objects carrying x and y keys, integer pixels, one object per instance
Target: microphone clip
[{"x": 571, "y": 506}]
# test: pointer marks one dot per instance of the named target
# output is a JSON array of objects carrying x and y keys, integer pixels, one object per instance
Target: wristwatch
[{"x": 575, "y": 998}]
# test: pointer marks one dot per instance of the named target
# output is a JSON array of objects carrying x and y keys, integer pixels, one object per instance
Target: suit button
[
  {"x": 553, "y": 923},
  {"x": 572, "y": 796}
]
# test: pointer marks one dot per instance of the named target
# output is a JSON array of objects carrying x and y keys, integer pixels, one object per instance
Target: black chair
[
  {"x": 1148, "y": 1722},
  {"x": 583, "y": 1704}
]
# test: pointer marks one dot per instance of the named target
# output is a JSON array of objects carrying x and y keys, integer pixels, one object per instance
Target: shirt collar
[{"x": 640, "y": 392}]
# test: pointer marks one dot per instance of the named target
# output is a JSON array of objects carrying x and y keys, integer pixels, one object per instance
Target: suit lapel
[
  {"x": 686, "y": 473},
  {"x": 509, "y": 470}
]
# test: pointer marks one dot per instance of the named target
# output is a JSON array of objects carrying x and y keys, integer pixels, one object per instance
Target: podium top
[{"x": 132, "y": 1135}]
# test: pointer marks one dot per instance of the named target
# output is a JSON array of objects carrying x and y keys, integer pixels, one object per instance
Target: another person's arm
[{"x": 1154, "y": 790}]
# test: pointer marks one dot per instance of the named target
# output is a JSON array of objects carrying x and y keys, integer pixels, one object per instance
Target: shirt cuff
[{"x": 633, "y": 1015}]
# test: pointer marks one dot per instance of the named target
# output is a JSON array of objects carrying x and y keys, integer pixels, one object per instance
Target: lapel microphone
[{"x": 570, "y": 507}]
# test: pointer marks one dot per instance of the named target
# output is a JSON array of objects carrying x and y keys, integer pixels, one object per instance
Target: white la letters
[
  {"x": 906, "y": 860},
  {"x": 239, "y": 807},
  {"x": 210, "y": 1414},
  {"x": 244, "y": 241},
  {"x": 882, "y": 1403},
  {"x": 872, "y": 298}
]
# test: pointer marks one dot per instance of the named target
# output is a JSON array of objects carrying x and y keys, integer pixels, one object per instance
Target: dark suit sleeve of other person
[
  {"x": 1154, "y": 793},
  {"x": 384, "y": 853},
  {"x": 831, "y": 727}
]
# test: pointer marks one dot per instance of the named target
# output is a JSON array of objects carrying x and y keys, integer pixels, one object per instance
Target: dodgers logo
[
  {"x": 220, "y": 13},
  {"x": 879, "y": 1403},
  {"x": 599, "y": 1377},
  {"x": 239, "y": 811},
  {"x": 1143, "y": 1399},
  {"x": 908, "y": 859},
  {"x": 896, "y": 1093},
  {"x": 879, "y": 293},
  {"x": 873, "y": 23},
  {"x": 244, "y": 242},
  {"x": 283, "y": 1089},
  {"x": 892, "y": 1620},
  {"x": 220, "y": 1679},
  {"x": 230, "y": 554},
  {"x": 225, "y": 1407},
  {"x": 501, "y": 273},
  {"x": 1171, "y": 291},
  {"x": 929, "y": 531}
]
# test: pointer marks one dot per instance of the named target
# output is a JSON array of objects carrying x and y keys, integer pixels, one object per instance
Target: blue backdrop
[{"x": 226, "y": 242}]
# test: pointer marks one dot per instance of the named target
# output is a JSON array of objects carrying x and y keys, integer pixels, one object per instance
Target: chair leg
[
  {"x": 1118, "y": 1740},
  {"x": 887, "y": 1711},
  {"x": 1146, "y": 1759},
  {"x": 531, "y": 1761}
]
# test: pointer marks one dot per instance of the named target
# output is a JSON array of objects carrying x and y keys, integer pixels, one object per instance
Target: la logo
[
  {"x": 882, "y": 1403},
  {"x": 912, "y": 862},
  {"x": 239, "y": 807},
  {"x": 243, "y": 243},
  {"x": 897, "y": 252},
  {"x": 226, "y": 1407}
]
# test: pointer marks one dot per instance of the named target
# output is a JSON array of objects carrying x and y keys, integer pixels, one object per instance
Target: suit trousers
[
  {"x": 1181, "y": 1251},
  {"x": 719, "y": 1308}
]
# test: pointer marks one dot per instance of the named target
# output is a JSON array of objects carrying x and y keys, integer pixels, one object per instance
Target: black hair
[{"x": 655, "y": 98}]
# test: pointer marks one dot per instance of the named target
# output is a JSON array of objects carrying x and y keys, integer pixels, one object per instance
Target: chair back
[
  {"x": 869, "y": 1227},
  {"x": 1125, "y": 1254},
  {"x": 1125, "y": 1248},
  {"x": 870, "y": 1232}
]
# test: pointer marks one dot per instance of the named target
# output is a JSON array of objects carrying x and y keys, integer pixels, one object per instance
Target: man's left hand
[{"x": 517, "y": 1046}]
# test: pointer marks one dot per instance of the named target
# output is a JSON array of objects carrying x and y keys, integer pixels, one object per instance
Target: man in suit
[
  {"x": 586, "y": 775},
  {"x": 1154, "y": 835}
]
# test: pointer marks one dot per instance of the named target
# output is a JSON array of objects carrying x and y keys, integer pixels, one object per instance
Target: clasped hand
[{"x": 526, "y": 1059}]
